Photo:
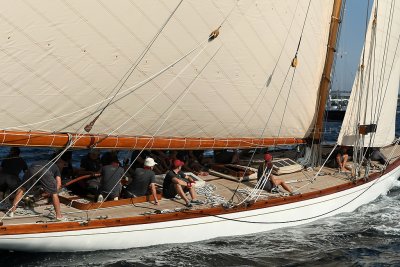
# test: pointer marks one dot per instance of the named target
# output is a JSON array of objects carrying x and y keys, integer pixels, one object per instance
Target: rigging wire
[
  {"x": 174, "y": 105},
  {"x": 153, "y": 98},
  {"x": 127, "y": 92},
  {"x": 381, "y": 93},
  {"x": 264, "y": 89},
  {"x": 276, "y": 100},
  {"x": 70, "y": 145},
  {"x": 132, "y": 69},
  {"x": 297, "y": 220}
]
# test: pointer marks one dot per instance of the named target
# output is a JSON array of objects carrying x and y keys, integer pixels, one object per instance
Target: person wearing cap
[
  {"x": 144, "y": 179},
  {"x": 177, "y": 182},
  {"x": 265, "y": 172},
  {"x": 48, "y": 175}
]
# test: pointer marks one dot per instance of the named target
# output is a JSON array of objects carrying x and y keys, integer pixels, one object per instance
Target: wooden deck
[{"x": 219, "y": 189}]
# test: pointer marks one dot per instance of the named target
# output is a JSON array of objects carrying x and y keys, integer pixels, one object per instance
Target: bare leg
[
  {"x": 56, "y": 204},
  {"x": 17, "y": 199},
  {"x": 154, "y": 192},
  {"x": 235, "y": 158},
  {"x": 339, "y": 161},
  {"x": 179, "y": 189},
  {"x": 192, "y": 193},
  {"x": 345, "y": 158},
  {"x": 281, "y": 183}
]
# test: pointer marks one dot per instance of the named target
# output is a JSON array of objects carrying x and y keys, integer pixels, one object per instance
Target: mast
[{"x": 325, "y": 80}]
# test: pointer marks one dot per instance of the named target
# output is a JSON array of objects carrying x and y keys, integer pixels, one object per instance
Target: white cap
[{"x": 149, "y": 162}]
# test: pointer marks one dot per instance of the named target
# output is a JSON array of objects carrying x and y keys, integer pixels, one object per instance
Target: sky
[{"x": 350, "y": 44}]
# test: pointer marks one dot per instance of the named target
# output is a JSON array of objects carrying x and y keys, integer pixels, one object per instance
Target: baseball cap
[
  {"x": 267, "y": 157},
  {"x": 149, "y": 162},
  {"x": 178, "y": 163}
]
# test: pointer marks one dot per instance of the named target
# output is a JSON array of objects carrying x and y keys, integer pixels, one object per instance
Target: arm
[
  {"x": 190, "y": 179},
  {"x": 154, "y": 192},
  {"x": 58, "y": 181},
  {"x": 176, "y": 180}
]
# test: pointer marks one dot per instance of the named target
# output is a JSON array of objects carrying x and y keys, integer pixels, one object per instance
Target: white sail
[
  {"x": 62, "y": 60},
  {"x": 375, "y": 90}
]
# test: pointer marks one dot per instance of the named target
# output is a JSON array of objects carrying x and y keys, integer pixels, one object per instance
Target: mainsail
[
  {"x": 150, "y": 69},
  {"x": 373, "y": 100}
]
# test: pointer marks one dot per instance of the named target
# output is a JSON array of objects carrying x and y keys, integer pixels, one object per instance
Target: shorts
[
  {"x": 170, "y": 191},
  {"x": 46, "y": 179},
  {"x": 268, "y": 186}
]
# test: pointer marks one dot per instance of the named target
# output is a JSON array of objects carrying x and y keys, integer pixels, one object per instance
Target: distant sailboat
[{"x": 187, "y": 75}]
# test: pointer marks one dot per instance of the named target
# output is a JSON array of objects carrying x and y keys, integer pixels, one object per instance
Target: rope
[
  {"x": 129, "y": 73},
  {"x": 154, "y": 97},
  {"x": 174, "y": 106},
  {"x": 276, "y": 100}
]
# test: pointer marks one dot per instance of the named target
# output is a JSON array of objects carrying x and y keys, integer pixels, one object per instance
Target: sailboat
[{"x": 193, "y": 75}]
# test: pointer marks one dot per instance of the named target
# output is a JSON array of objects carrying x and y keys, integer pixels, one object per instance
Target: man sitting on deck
[
  {"x": 341, "y": 159},
  {"x": 143, "y": 180},
  {"x": 49, "y": 176},
  {"x": 177, "y": 182},
  {"x": 110, "y": 183},
  {"x": 265, "y": 172}
]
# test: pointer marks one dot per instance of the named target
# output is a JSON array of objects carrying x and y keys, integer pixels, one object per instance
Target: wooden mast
[{"x": 325, "y": 80}]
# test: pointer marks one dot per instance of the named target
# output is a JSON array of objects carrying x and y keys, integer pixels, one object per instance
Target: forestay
[{"x": 62, "y": 62}]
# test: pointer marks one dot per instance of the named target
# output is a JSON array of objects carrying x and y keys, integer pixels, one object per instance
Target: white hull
[{"x": 190, "y": 230}]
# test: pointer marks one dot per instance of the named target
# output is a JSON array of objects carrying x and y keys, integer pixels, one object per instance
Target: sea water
[{"x": 369, "y": 236}]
